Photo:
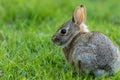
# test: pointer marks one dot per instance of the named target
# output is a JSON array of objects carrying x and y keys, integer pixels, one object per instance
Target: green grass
[{"x": 26, "y": 27}]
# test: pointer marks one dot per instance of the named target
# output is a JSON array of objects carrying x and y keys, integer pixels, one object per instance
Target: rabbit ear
[{"x": 79, "y": 15}]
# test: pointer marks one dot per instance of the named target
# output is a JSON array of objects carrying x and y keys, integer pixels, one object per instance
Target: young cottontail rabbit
[{"x": 88, "y": 51}]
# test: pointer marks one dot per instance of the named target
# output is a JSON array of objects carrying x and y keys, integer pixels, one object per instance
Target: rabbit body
[{"x": 92, "y": 51}]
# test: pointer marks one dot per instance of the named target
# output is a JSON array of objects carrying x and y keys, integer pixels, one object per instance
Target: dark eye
[{"x": 63, "y": 31}]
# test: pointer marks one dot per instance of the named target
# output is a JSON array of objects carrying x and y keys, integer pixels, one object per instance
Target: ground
[{"x": 26, "y": 27}]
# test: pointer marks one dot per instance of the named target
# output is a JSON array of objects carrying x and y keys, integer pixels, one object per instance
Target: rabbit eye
[{"x": 63, "y": 31}]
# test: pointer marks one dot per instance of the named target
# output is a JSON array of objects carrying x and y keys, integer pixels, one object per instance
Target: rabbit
[{"x": 88, "y": 51}]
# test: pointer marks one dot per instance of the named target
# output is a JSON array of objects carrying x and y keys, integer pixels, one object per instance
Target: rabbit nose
[{"x": 55, "y": 39}]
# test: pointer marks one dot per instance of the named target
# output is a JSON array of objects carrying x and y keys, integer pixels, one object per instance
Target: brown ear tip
[{"x": 81, "y": 5}]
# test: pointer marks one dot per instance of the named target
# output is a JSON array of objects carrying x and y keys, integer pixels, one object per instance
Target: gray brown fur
[
  {"x": 99, "y": 46},
  {"x": 87, "y": 51}
]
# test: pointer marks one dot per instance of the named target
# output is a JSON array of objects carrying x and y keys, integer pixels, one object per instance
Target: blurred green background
[{"x": 26, "y": 27}]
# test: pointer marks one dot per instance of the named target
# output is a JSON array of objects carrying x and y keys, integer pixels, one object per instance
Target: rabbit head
[{"x": 68, "y": 30}]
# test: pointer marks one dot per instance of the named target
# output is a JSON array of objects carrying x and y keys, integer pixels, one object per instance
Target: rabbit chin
[
  {"x": 61, "y": 44},
  {"x": 58, "y": 43},
  {"x": 64, "y": 45}
]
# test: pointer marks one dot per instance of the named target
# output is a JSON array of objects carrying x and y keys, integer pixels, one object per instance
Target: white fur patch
[{"x": 83, "y": 28}]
